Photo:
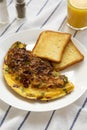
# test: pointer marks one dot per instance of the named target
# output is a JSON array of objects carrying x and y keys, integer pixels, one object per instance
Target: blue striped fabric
[
  {"x": 51, "y": 14},
  {"x": 42, "y": 7},
  {"x": 26, "y": 116},
  {"x": 10, "y": 2},
  {"x": 53, "y": 120},
  {"x": 7, "y": 111},
  {"x": 78, "y": 113}
]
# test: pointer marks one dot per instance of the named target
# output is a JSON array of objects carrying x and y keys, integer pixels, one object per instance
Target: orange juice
[{"x": 77, "y": 14}]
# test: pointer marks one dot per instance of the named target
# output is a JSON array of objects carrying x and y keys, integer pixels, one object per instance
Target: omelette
[{"x": 32, "y": 77}]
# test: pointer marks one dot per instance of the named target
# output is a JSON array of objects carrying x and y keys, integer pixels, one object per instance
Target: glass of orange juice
[{"x": 77, "y": 14}]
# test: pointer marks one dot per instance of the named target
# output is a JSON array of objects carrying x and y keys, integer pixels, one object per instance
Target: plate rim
[{"x": 37, "y": 110}]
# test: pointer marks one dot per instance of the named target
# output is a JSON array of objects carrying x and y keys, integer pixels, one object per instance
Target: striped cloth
[{"x": 47, "y": 14}]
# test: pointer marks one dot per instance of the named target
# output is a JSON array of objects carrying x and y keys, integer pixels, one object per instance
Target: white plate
[{"x": 77, "y": 74}]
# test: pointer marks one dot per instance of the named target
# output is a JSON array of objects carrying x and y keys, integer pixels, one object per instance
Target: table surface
[{"x": 45, "y": 14}]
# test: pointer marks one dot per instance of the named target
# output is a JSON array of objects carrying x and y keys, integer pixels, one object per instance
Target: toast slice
[
  {"x": 50, "y": 45},
  {"x": 71, "y": 56}
]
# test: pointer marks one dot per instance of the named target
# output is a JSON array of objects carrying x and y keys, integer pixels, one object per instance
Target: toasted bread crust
[
  {"x": 71, "y": 56},
  {"x": 51, "y": 44}
]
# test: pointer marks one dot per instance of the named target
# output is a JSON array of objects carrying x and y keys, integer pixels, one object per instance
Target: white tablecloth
[{"x": 48, "y": 14}]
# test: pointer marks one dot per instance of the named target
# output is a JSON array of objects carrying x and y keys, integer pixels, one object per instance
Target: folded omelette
[{"x": 33, "y": 77}]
